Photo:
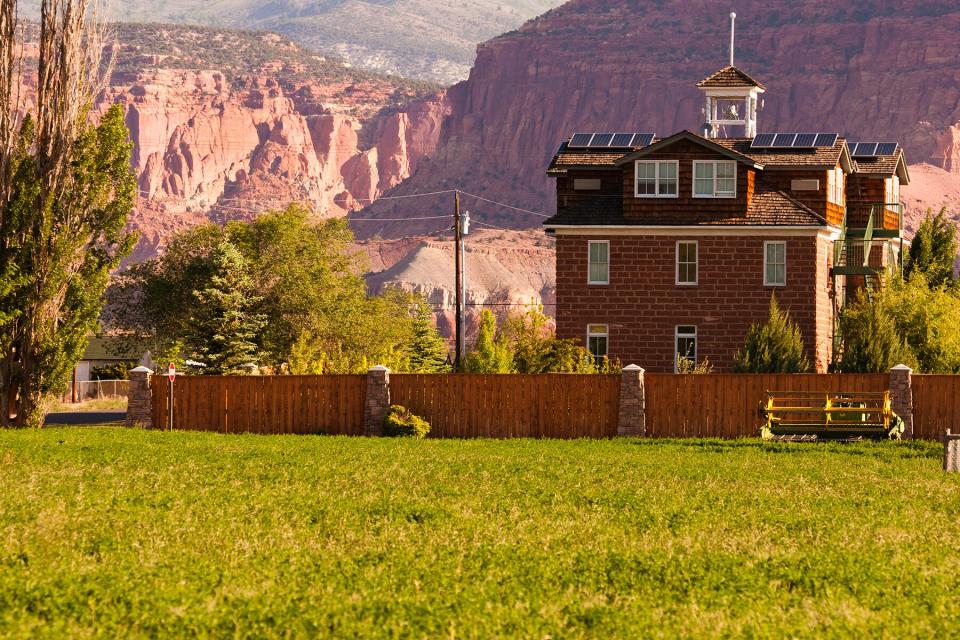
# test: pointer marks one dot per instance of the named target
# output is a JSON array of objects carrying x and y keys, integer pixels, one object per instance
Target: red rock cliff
[{"x": 870, "y": 70}]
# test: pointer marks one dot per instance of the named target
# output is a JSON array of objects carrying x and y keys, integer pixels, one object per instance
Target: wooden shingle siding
[
  {"x": 864, "y": 191},
  {"x": 685, "y": 206},
  {"x": 782, "y": 180}
]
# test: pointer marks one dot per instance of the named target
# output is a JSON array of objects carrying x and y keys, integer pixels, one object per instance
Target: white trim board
[{"x": 704, "y": 231}]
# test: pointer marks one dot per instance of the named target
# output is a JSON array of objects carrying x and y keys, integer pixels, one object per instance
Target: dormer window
[
  {"x": 656, "y": 179},
  {"x": 714, "y": 179}
]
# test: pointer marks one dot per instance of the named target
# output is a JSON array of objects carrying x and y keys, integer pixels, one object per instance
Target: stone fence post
[
  {"x": 901, "y": 397},
  {"x": 378, "y": 400},
  {"x": 140, "y": 398},
  {"x": 631, "y": 419},
  {"x": 951, "y": 452}
]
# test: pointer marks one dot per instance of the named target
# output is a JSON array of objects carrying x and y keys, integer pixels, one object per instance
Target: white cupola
[{"x": 731, "y": 100}]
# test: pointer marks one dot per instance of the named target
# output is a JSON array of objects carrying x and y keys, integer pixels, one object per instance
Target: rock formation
[{"x": 870, "y": 70}]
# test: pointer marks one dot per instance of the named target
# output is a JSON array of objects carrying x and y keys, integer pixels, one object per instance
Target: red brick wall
[{"x": 642, "y": 304}]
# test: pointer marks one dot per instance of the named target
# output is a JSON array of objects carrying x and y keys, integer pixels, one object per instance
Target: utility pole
[{"x": 458, "y": 267}]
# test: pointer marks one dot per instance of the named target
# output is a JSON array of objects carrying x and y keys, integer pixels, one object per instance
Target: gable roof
[
  {"x": 895, "y": 164},
  {"x": 729, "y": 76},
  {"x": 660, "y": 145}
]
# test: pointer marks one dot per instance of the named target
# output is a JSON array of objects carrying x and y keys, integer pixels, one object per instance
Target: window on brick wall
[
  {"x": 597, "y": 336},
  {"x": 686, "y": 345},
  {"x": 714, "y": 179},
  {"x": 656, "y": 179},
  {"x": 774, "y": 264},
  {"x": 687, "y": 262},
  {"x": 599, "y": 262}
]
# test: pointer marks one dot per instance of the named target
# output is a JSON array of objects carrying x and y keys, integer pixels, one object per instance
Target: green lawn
[{"x": 126, "y": 533}]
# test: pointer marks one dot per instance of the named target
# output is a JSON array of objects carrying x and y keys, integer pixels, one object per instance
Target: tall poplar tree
[{"x": 66, "y": 189}]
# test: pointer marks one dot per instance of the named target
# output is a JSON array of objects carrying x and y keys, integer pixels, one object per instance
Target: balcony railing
[
  {"x": 848, "y": 256},
  {"x": 886, "y": 215}
]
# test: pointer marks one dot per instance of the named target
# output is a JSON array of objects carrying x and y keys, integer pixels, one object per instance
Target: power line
[{"x": 508, "y": 206}]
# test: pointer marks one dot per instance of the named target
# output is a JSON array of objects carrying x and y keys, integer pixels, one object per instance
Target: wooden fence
[
  {"x": 936, "y": 405},
  {"x": 727, "y": 405},
  {"x": 267, "y": 404},
  {"x": 512, "y": 406}
]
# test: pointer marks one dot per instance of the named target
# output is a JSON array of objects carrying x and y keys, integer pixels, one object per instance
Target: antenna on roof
[{"x": 733, "y": 19}]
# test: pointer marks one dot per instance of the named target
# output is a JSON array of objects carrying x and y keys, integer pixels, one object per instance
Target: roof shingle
[{"x": 729, "y": 76}]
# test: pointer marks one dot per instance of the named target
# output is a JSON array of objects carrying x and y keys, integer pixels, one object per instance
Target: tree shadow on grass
[{"x": 882, "y": 450}]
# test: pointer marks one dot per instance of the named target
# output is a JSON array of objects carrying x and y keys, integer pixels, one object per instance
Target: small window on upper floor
[
  {"x": 656, "y": 179},
  {"x": 892, "y": 188},
  {"x": 835, "y": 186},
  {"x": 714, "y": 179}
]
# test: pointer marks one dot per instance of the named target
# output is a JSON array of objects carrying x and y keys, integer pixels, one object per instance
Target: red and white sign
[{"x": 171, "y": 372}]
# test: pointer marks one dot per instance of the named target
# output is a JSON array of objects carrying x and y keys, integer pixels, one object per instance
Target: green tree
[
  {"x": 62, "y": 231},
  {"x": 933, "y": 250},
  {"x": 536, "y": 349},
  {"x": 309, "y": 285},
  {"x": 427, "y": 352},
  {"x": 224, "y": 329},
  {"x": 871, "y": 340},
  {"x": 927, "y": 318},
  {"x": 774, "y": 346},
  {"x": 490, "y": 353}
]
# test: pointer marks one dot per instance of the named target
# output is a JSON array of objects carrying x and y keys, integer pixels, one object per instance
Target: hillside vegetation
[
  {"x": 129, "y": 533},
  {"x": 237, "y": 53},
  {"x": 427, "y": 39}
]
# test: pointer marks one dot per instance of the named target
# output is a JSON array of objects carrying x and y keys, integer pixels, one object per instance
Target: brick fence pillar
[
  {"x": 139, "y": 398},
  {"x": 951, "y": 452},
  {"x": 631, "y": 420},
  {"x": 378, "y": 400},
  {"x": 901, "y": 397}
]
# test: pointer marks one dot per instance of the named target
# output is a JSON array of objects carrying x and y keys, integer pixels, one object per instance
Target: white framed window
[
  {"x": 687, "y": 262},
  {"x": 892, "y": 189},
  {"x": 835, "y": 186},
  {"x": 685, "y": 344},
  {"x": 774, "y": 264},
  {"x": 656, "y": 178},
  {"x": 714, "y": 178},
  {"x": 598, "y": 262},
  {"x": 597, "y": 338}
]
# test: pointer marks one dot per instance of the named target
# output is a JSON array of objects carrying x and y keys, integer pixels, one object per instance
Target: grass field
[{"x": 128, "y": 533}]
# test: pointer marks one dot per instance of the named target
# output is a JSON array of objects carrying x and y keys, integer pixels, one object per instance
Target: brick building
[{"x": 671, "y": 248}]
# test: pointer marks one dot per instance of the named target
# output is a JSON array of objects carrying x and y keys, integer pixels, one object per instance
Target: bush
[
  {"x": 400, "y": 422},
  {"x": 774, "y": 346}
]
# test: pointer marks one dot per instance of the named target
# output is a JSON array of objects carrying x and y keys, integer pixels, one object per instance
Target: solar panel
[
  {"x": 580, "y": 139},
  {"x": 826, "y": 140},
  {"x": 601, "y": 140},
  {"x": 784, "y": 140},
  {"x": 886, "y": 148},
  {"x": 642, "y": 139},
  {"x": 622, "y": 140},
  {"x": 866, "y": 150},
  {"x": 805, "y": 140},
  {"x": 763, "y": 140}
]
